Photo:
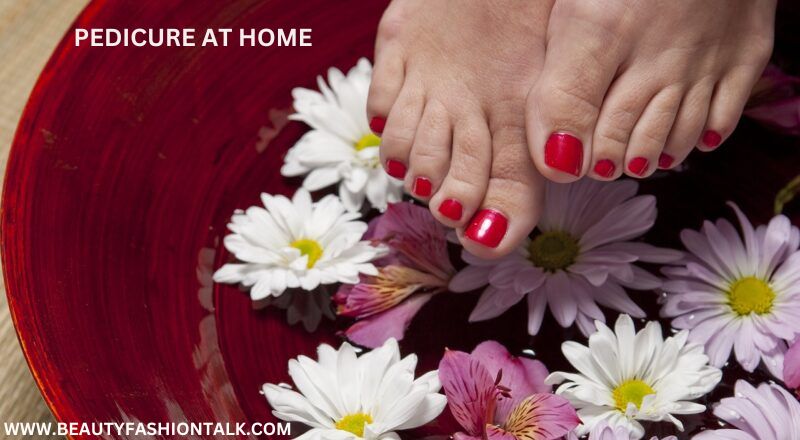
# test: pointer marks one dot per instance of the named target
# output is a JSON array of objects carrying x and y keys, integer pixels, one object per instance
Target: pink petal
[
  {"x": 469, "y": 389},
  {"x": 791, "y": 366},
  {"x": 540, "y": 417},
  {"x": 523, "y": 376},
  {"x": 493, "y": 302},
  {"x": 375, "y": 330}
]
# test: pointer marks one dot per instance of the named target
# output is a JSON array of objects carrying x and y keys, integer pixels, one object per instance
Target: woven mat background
[{"x": 29, "y": 31}]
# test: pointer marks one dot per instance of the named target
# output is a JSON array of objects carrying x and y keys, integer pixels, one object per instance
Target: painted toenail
[
  {"x": 395, "y": 169},
  {"x": 638, "y": 165},
  {"x": 665, "y": 161},
  {"x": 377, "y": 124},
  {"x": 422, "y": 187},
  {"x": 564, "y": 152},
  {"x": 604, "y": 168},
  {"x": 712, "y": 139},
  {"x": 487, "y": 227},
  {"x": 452, "y": 209}
]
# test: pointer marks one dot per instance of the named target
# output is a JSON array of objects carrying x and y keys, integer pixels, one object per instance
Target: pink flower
[
  {"x": 416, "y": 268},
  {"x": 775, "y": 101},
  {"x": 496, "y": 396},
  {"x": 791, "y": 366}
]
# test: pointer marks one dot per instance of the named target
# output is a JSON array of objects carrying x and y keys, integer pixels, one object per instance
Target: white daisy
[
  {"x": 341, "y": 147},
  {"x": 581, "y": 255},
  {"x": 602, "y": 431},
  {"x": 624, "y": 376},
  {"x": 344, "y": 396},
  {"x": 740, "y": 295},
  {"x": 765, "y": 413},
  {"x": 296, "y": 243}
]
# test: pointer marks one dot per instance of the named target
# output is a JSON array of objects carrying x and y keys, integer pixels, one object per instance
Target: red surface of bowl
[{"x": 126, "y": 167}]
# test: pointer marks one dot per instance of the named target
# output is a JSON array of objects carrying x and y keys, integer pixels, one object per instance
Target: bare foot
[
  {"x": 629, "y": 87},
  {"x": 450, "y": 83}
]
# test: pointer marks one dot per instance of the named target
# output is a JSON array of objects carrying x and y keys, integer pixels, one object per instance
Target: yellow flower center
[
  {"x": 554, "y": 250},
  {"x": 354, "y": 423},
  {"x": 368, "y": 140},
  {"x": 631, "y": 391},
  {"x": 310, "y": 248},
  {"x": 749, "y": 295}
]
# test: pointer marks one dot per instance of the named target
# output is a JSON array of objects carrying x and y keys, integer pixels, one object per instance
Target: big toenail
[
  {"x": 377, "y": 124},
  {"x": 487, "y": 227},
  {"x": 604, "y": 168},
  {"x": 452, "y": 209},
  {"x": 712, "y": 139},
  {"x": 564, "y": 152},
  {"x": 395, "y": 169},
  {"x": 422, "y": 187},
  {"x": 665, "y": 161},
  {"x": 638, "y": 165}
]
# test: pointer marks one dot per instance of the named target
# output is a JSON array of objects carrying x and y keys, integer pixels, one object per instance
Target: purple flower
[
  {"x": 496, "y": 396},
  {"x": 775, "y": 101},
  {"x": 791, "y": 366},
  {"x": 765, "y": 413},
  {"x": 416, "y": 268}
]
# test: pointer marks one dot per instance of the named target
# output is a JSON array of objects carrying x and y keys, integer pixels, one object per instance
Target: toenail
[
  {"x": 564, "y": 152},
  {"x": 395, "y": 169},
  {"x": 711, "y": 139},
  {"x": 604, "y": 168},
  {"x": 422, "y": 187},
  {"x": 452, "y": 209},
  {"x": 377, "y": 124},
  {"x": 665, "y": 161},
  {"x": 638, "y": 165},
  {"x": 487, "y": 227}
]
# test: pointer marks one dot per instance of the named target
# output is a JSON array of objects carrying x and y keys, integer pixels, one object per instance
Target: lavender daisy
[
  {"x": 765, "y": 413},
  {"x": 740, "y": 295},
  {"x": 581, "y": 255}
]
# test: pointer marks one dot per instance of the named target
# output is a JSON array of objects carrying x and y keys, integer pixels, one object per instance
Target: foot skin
[
  {"x": 630, "y": 87},
  {"x": 448, "y": 98}
]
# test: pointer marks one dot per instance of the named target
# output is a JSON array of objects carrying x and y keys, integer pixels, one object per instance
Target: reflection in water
[
  {"x": 278, "y": 119},
  {"x": 302, "y": 306}
]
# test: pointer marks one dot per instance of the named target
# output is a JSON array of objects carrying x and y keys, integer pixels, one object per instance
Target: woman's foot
[
  {"x": 629, "y": 87},
  {"x": 448, "y": 97}
]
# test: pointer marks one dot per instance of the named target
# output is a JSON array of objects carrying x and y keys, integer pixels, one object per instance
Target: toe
[
  {"x": 651, "y": 132},
  {"x": 387, "y": 81},
  {"x": 401, "y": 126},
  {"x": 622, "y": 108},
  {"x": 430, "y": 154},
  {"x": 464, "y": 186},
  {"x": 727, "y": 104},
  {"x": 564, "y": 105},
  {"x": 513, "y": 201},
  {"x": 688, "y": 125}
]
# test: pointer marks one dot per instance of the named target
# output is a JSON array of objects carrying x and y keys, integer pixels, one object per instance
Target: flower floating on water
[
  {"x": 296, "y": 243},
  {"x": 740, "y": 295},
  {"x": 791, "y": 367},
  {"x": 602, "y": 431},
  {"x": 624, "y": 376},
  {"x": 581, "y": 255},
  {"x": 341, "y": 148},
  {"x": 416, "y": 268},
  {"x": 765, "y": 413},
  {"x": 496, "y": 396},
  {"x": 344, "y": 396}
]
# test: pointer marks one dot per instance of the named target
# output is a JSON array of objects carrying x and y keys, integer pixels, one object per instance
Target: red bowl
[{"x": 126, "y": 167}]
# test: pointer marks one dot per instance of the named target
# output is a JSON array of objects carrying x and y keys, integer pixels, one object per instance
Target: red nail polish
[
  {"x": 564, "y": 152},
  {"x": 665, "y": 161},
  {"x": 604, "y": 168},
  {"x": 452, "y": 209},
  {"x": 377, "y": 124},
  {"x": 395, "y": 169},
  {"x": 712, "y": 139},
  {"x": 422, "y": 187},
  {"x": 638, "y": 165},
  {"x": 487, "y": 227}
]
